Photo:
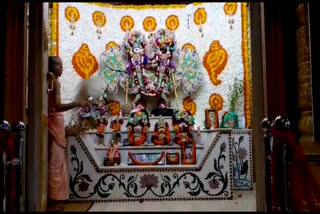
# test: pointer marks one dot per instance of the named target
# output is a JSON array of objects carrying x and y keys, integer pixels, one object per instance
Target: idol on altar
[
  {"x": 165, "y": 83},
  {"x": 115, "y": 126},
  {"x": 113, "y": 155},
  {"x": 161, "y": 133},
  {"x": 183, "y": 123},
  {"x": 138, "y": 126}
]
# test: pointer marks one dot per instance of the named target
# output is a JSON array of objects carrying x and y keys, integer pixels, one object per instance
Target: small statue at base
[
  {"x": 161, "y": 133},
  {"x": 113, "y": 155},
  {"x": 115, "y": 125},
  {"x": 183, "y": 125},
  {"x": 138, "y": 126},
  {"x": 101, "y": 127}
]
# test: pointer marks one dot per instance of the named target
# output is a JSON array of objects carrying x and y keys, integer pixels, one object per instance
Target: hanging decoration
[
  {"x": 200, "y": 17},
  {"x": 126, "y": 23},
  {"x": 188, "y": 71},
  {"x": 216, "y": 104},
  {"x": 54, "y": 24},
  {"x": 99, "y": 20},
  {"x": 84, "y": 63},
  {"x": 189, "y": 105},
  {"x": 230, "y": 9},
  {"x": 72, "y": 15},
  {"x": 215, "y": 61},
  {"x": 247, "y": 77},
  {"x": 149, "y": 24},
  {"x": 172, "y": 22}
]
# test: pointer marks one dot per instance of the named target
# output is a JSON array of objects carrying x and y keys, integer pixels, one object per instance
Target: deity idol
[
  {"x": 150, "y": 64},
  {"x": 115, "y": 125},
  {"x": 138, "y": 126},
  {"x": 134, "y": 44},
  {"x": 161, "y": 133},
  {"x": 183, "y": 125},
  {"x": 165, "y": 45},
  {"x": 101, "y": 127},
  {"x": 113, "y": 155}
]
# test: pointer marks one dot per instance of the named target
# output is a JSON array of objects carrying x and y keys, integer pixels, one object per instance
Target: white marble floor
[{"x": 242, "y": 201}]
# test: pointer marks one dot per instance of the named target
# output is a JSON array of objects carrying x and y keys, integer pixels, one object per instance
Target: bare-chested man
[{"x": 57, "y": 172}]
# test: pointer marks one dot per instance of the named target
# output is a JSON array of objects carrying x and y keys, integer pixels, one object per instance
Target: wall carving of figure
[
  {"x": 114, "y": 71},
  {"x": 188, "y": 72}
]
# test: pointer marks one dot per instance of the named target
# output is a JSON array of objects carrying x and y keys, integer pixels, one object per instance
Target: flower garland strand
[{"x": 247, "y": 81}]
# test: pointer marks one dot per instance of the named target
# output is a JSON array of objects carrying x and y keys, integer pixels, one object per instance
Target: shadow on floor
[{"x": 70, "y": 207}]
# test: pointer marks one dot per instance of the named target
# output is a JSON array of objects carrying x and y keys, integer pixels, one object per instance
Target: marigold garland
[
  {"x": 99, "y": 19},
  {"x": 140, "y": 7},
  {"x": 114, "y": 108},
  {"x": 216, "y": 102},
  {"x": 189, "y": 105},
  {"x": 197, "y": 3},
  {"x": 149, "y": 24},
  {"x": 72, "y": 12},
  {"x": 172, "y": 22},
  {"x": 84, "y": 63},
  {"x": 230, "y": 8},
  {"x": 200, "y": 16},
  {"x": 215, "y": 61},
  {"x": 247, "y": 80},
  {"x": 54, "y": 24},
  {"x": 126, "y": 21},
  {"x": 136, "y": 162}
]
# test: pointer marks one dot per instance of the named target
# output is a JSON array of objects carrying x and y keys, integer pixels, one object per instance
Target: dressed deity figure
[
  {"x": 101, "y": 128},
  {"x": 161, "y": 133},
  {"x": 138, "y": 126},
  {"x": 183, "y": 125},
  {"x": 134, "y": 44},
  {"x": 115, "y": 125},
  {"x": 113, "y": 155},
  {"x": 164, "y": 45}
]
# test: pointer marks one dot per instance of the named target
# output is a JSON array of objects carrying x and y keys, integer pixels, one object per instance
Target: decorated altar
[{"x": 169, "y": 88}]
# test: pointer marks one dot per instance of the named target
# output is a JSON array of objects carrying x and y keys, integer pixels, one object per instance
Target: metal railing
[{"x": 11, "y": 153}]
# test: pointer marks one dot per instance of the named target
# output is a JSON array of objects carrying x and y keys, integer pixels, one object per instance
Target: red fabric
[
  {"x": 304, "y": 190},
  {"x": 58, "y": 188},
  {"x": 12, "y": 176}
]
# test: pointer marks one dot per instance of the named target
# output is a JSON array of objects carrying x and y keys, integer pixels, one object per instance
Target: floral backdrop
[{"x": 218, "y": 31}]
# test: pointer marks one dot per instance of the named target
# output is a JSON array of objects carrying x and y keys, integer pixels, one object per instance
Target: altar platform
[{"x": 217, "y": 174}]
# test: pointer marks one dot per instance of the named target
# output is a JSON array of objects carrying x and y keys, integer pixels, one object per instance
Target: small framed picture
[
  {"x": 212, "y": 121},
  {"x": 172, "y": 158}
]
